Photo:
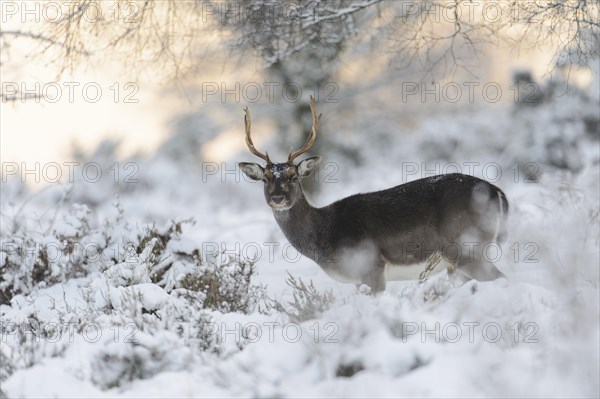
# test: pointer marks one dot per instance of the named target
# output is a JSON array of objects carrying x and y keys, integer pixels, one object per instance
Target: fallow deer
[{"x": 393, "y": 234}]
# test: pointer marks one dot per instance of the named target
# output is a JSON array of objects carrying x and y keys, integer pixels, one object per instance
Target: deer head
[{"x": 282, "y": 180}]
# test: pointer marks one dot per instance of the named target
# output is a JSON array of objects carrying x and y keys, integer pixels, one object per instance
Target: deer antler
[
  {"x": 313, "y": 133},
  {"x": 249, "y": 142}
]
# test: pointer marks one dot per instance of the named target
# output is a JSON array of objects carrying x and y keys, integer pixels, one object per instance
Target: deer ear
[
  {"x": 309, "y": 165},
  {"x": 252, "y": 170}
]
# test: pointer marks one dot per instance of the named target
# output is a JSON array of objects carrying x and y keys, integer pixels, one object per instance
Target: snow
[{"x": 126, "y": 330}]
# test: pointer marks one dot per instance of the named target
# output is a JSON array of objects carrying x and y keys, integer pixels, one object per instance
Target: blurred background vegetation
[{"x": 191, "y": 66}]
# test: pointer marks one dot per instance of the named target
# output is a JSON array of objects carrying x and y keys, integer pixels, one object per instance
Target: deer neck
[{"x": 303, "y": 226}]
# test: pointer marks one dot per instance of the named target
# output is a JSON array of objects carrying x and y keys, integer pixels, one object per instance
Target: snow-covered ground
[{"x": 129, "y": 297}]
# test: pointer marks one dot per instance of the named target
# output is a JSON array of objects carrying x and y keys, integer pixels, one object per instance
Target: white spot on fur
[{"x": 279, "y": 169}]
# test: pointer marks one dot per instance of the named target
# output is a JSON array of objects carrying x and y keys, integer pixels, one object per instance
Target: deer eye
[{"x": 295, "y": 179}]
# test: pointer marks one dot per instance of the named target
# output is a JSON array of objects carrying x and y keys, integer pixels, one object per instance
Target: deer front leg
[{"x": 375, "y": 279}]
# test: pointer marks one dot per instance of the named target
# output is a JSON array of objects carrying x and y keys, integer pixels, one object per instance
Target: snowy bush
[
  {"x": 5, "y": 366},
  {"x": 147, "y": 291},
  {"x": 29, "y": 259},
  {"x": 149, "y": 354},
  {"x": 225, "y": 287},
  {"x": 127, "y": 255},
  {"x": 307, "y": 302}
]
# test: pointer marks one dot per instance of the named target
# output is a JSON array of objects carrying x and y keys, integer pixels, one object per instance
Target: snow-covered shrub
[
  {"x": 6, "y": 368},
  {"x": 145, "y": 289},
  {"x": 156, "y": 255},
  {"x": 226, "y": 287},
  {"x": 149, "y": 353},
  {"x": 307, "y": 302},
  {"x": 127, "y": 254},
  {"x": 28, "y": 340},
  {"x": 164, "y": 258},
  {"x": 29, "y": 259}
]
